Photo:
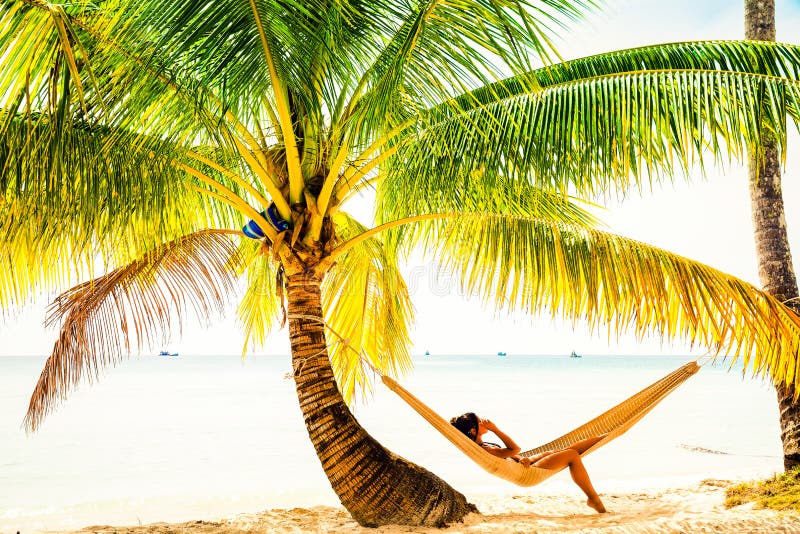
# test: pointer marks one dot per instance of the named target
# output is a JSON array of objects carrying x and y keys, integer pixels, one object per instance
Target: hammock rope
[{"x": 613, "y": 423}]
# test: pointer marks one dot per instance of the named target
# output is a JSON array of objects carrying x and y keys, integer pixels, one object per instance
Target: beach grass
[{"x": 781, "y": 492}]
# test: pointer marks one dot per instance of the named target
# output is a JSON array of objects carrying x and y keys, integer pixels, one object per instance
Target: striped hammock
[{"x": 613, "y": 423}]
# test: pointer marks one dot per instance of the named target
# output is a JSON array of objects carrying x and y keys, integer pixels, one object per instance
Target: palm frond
[
  {"x": 781, "y": 60},
  {"x": 87, "y": 151},
  {"x": 30, "y": 268},
  {"x": 594, "y": 135},
  {"x": 476, "y": 193},
  {"x": 88, "y": 180},
  {"x": 220, "y": 43},
  {"x": 86, "y": 197},
  {"x": 436, "y": 50},
  {"x": 160, "y": 94},
  {"x": 612, "y": 119},
  {"x": 259, "y": 307},
  {"x": 38, "y": 40},
  {"x": 104, "y": 84},
  {"x": 368, "y": 311},
  {"x": 104, "y": 319},
  {"x": 617, "y": 284}
]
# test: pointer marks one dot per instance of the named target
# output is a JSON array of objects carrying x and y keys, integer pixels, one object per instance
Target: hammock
[{"x": 612, "y": 423}]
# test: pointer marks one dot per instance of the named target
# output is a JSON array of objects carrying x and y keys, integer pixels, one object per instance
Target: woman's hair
[{"x": 465, "y": 423}]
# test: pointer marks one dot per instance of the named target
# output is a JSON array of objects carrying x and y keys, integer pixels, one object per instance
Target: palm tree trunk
[
  {"x": 775, "y": 269},
  {"x": 375, "y": 485}
]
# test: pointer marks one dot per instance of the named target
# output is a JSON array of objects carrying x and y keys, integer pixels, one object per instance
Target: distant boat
[
  {"x": 167, "y": 353},
  {"x": 427, "y": 353},
  {"x": 502, "y": 354},
  {"x": 575, "y": 355}
]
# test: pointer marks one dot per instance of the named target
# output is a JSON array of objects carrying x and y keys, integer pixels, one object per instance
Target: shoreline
[{"x": 692, "y": 508}]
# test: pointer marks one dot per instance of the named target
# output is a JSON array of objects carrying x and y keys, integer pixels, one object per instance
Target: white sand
[{"x": 686, "y": 510}]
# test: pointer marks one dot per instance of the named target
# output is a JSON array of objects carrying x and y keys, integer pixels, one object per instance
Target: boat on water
[
  {"x": 167, "y": 353},
  {"x": 427, "y": 353},
  {"x": 575, "y": 355},
  {"x": 502, "y": 354}
]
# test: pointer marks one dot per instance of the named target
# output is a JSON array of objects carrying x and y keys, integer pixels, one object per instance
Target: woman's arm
[{"x": 511, "y": 448}]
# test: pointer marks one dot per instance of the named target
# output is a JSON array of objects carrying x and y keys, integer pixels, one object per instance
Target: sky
[{"x": 706, "y": 219}]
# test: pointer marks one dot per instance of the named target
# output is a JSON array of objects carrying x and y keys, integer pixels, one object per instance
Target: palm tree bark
[
  {"x": 775, "y": 269},
  {"x": 375, "y": 485}
]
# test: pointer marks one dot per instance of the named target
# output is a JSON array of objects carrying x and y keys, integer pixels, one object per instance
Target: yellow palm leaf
[
  {"x": 367, "y": 309},
  {"x": 618, "y": 284},
  {"x": 258, "y": 308}
]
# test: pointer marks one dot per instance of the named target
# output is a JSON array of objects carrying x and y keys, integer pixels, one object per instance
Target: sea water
[{"x": 182, "y": 438}]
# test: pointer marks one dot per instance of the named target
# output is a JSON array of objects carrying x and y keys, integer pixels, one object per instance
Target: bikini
[{"x": 490, "y": 445}]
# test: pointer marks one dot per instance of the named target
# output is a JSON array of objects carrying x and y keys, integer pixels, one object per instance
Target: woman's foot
[
  {"x": 525, "y": 461},
  {"x": 596, "y": 504}
]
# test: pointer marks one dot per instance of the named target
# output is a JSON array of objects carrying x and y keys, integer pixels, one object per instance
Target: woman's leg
[
  {"x": 571, "y": 458},
  {"x": 585, "y": 444}
]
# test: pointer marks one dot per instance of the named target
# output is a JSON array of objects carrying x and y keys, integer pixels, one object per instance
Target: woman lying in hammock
[{"x": 475, "y": 427}]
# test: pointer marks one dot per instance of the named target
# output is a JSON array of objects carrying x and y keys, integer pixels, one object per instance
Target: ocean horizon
[{"x": 199, "y": 437}]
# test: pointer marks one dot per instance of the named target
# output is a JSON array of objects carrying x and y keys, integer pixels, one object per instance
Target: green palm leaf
[
  {"x": 428, "y": 60},
  {"x": 131, "y": 100},
  {"x": 611, "y": 120},
  {"x": 92, "y": 182},
  {"x": 754, "y": 57},
  {"x": 477, "y": 193},
  {"x": 603, "y": 133}
]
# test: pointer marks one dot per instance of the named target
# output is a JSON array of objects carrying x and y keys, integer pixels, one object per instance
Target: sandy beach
[{"x": 690, "y": 509}]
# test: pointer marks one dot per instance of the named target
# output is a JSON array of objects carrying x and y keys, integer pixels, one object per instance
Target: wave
[{"x": 695, "y": 448}]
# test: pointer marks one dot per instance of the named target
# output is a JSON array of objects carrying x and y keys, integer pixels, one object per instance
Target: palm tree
[
  {"x": 140, "y": 136},
  {"x": 775, "y": 269}
]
